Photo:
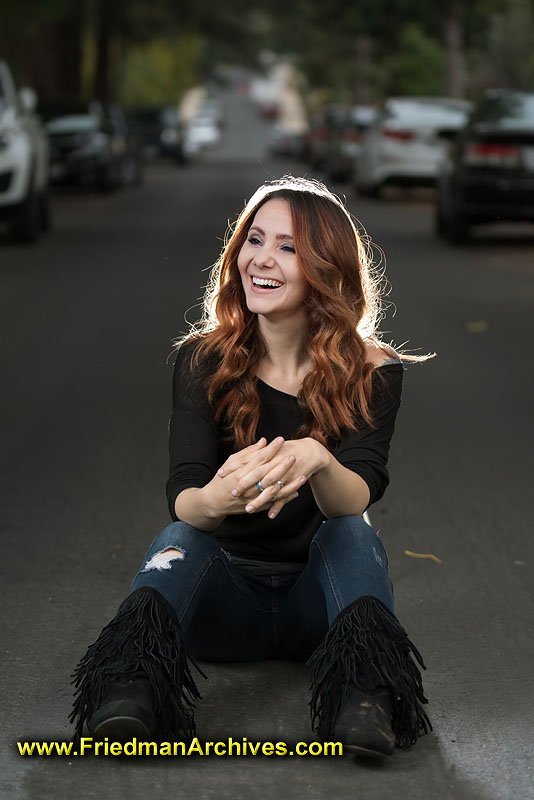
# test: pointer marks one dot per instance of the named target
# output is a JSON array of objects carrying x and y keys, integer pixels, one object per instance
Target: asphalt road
[{"x": 87, "y": 320}]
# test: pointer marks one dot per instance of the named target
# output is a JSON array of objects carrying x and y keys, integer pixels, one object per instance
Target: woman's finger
[
  {"x": 237, "y": 460},
  {"x": 279, "y": 504},
  {"x": 276, "y": 469},
  {"x": 265, "y": 498}
]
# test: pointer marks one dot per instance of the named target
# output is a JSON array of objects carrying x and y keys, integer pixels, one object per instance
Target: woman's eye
[
  {"x": 253, "y": 240},
  {"x": 288, "y": 248}
]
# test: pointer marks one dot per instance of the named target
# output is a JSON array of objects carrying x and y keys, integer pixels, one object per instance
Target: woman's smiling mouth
[{"x": 264, "y": 285}]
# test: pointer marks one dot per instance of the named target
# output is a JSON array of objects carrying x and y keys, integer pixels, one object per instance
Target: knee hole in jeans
[{"x": 164, "y": 559}]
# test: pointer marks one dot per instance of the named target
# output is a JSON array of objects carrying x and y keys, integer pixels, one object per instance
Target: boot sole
[
  {"x": 122, "y": 729},
  {"x": 365, "y": 752}
]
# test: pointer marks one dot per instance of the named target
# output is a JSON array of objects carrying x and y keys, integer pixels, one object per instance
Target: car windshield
[
  {"x": 506, "y": 111},
  {"x": 72, "y": 123},
  {"x": 169, "y": 117},
  {"x": 430, "y": 112}
]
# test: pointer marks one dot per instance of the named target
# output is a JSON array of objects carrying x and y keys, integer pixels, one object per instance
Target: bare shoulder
[{"x": 380, "y": 354}]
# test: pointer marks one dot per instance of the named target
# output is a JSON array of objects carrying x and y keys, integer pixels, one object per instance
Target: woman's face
[{"x": 272, "y": 279}]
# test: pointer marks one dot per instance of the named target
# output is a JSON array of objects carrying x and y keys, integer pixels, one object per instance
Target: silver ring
[
  {"x": 280, "y": 484},
  {"x": 259, "y": 487}
]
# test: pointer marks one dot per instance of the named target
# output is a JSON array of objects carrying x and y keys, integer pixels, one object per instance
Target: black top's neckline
[{"x": 387, "y": 364}]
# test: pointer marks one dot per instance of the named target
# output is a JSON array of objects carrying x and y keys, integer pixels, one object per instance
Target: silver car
[
  {"x": 24, "y": 161},
  {"x": 407, "y": 142}
]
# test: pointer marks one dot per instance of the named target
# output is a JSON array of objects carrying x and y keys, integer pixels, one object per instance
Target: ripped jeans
[{"x": 229, "y": 614}]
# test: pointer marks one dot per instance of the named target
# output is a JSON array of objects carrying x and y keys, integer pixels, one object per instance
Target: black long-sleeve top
[{"x": 197, "y": 448}]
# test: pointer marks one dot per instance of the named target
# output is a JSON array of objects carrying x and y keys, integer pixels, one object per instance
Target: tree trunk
[
  {"x": 455, "y": 78},
  {"x": 362, "y": 91},
  {"x": 69, "y": 50},
  {"x": 104, "y": 30}
]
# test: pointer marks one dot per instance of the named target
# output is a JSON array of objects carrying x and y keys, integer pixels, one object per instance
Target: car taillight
[
  {"x": 401, "y": 136},
  {"x": 490, "y": 154}
]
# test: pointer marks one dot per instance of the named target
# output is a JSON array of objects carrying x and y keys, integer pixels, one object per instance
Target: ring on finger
[
  {"x": 280, "y": 484},
  {"x": 259, "y": 487}
]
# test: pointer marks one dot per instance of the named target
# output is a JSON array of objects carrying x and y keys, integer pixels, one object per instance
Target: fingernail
[
  {"x": 280, "y": 439},
  {"x": 248, "y": 509},
  {"x": 220, "y": 471},
  {"x": 292, "y": 459},
  {"x": 272, "y": 516},
  {"x": 302, "y": 479},
  {"x": 234, "y": 492}
]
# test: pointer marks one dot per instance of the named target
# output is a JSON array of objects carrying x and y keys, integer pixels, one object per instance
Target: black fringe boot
[
  {"x": 135, "y": 678},
  {"x": 366, "y": 688}
]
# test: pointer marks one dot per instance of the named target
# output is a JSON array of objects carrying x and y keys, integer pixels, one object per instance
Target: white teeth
[{"x": 265, "y": 282}]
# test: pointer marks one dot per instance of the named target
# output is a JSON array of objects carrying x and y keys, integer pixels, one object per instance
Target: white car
[
  {"x": 408, "y": 141},
  {"x": 24, "y": 161},
  {"x": 202, "y": 133}
]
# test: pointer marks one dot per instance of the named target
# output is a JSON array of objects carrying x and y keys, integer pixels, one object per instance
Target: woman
[{"x": 284, "y": 404}]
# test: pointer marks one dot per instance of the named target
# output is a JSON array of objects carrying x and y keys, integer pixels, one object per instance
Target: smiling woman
[
  {"x": 274, "y": 284},
  {"x": 284, "y": 405}
]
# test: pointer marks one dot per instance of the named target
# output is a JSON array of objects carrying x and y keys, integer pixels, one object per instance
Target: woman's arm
[{"x": 337, "y": 490}]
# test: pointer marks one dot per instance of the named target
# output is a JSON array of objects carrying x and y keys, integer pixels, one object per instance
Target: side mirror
[{"x": 28, "y": 99}]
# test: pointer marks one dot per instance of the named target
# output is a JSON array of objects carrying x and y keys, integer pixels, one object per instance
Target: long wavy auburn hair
[{"x": 343, "y": 309}]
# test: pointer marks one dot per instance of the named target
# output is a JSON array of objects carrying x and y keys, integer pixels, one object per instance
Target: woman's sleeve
[
  {"x": 193, "y": 436},
  {"x": 366, "y": 450}
]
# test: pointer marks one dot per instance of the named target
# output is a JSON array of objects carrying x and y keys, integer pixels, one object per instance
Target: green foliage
[
  {"x": 158, "y": 72},
  {"x": 508, "y": 57},
  {"x": 416, "y": 67}
]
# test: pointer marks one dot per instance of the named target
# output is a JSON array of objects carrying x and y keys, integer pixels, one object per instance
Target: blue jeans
[{"x": 228, "y": 614}]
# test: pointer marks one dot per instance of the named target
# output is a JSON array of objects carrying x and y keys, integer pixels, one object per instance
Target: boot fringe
[
  {"x": 144, "y": 638},
  {"x": 366, "y": 647}
]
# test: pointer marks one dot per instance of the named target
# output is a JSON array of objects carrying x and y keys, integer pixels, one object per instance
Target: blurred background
[
  {"x": 372, "y": 93},
  {"x": 131, "y": 134}
]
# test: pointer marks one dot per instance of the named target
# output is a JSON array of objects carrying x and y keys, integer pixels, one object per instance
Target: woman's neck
[{"x": 287, "y": 350}]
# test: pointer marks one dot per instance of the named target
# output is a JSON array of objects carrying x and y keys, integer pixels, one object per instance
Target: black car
[
  {"x": 85, "y": 147},
  {"x": 161, "y": 132},
  {"x": 489, "y": 173}
]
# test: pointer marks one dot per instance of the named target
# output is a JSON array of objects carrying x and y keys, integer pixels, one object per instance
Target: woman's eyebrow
[{"x": 278, "y": 235}]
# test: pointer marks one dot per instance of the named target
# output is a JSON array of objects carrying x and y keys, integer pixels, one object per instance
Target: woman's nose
[{"x": 264, "y": 257}]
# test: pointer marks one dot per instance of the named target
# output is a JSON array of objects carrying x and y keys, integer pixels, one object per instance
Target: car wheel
[
  {"x": 369, "y": 191},
  {"x": 111, "y": 179},
  {"x": 45, "y": 211},
  {"x": 456, "y": 228},
  {"x": 26, "y": 224},
  {"x": 440, "y": 222}
]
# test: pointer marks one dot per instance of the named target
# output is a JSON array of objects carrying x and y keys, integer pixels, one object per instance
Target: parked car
[
  {"x": 202, "y": 133},
  {"x": 85, "y": 148},
  {"x": 316, "y": 140},
  {"x": 286, "y": 141},
  {"x": 344, "y": 137},
  {"x": 407, "y": 142},
  {"x": 24, "y": 160},
  {"x": 127, "y": 141},
  {"x": 489, "y": 175},
  {"x": 161, "y": 131}
]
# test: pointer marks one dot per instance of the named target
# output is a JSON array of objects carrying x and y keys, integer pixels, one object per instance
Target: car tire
[
  {"x": 456, "y": 228},
  {"x": 45, "y": 210},
  {"x": 26, "y": 223},
  {"x": 369, "y": 191}
]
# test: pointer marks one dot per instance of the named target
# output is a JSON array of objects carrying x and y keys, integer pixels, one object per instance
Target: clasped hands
[{"x": 281, "y": 468}]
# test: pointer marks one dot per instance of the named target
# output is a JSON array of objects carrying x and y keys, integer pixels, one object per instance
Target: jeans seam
[
  {"x": 331, "y": 576},
  {"x": 202, "y": 575}
]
